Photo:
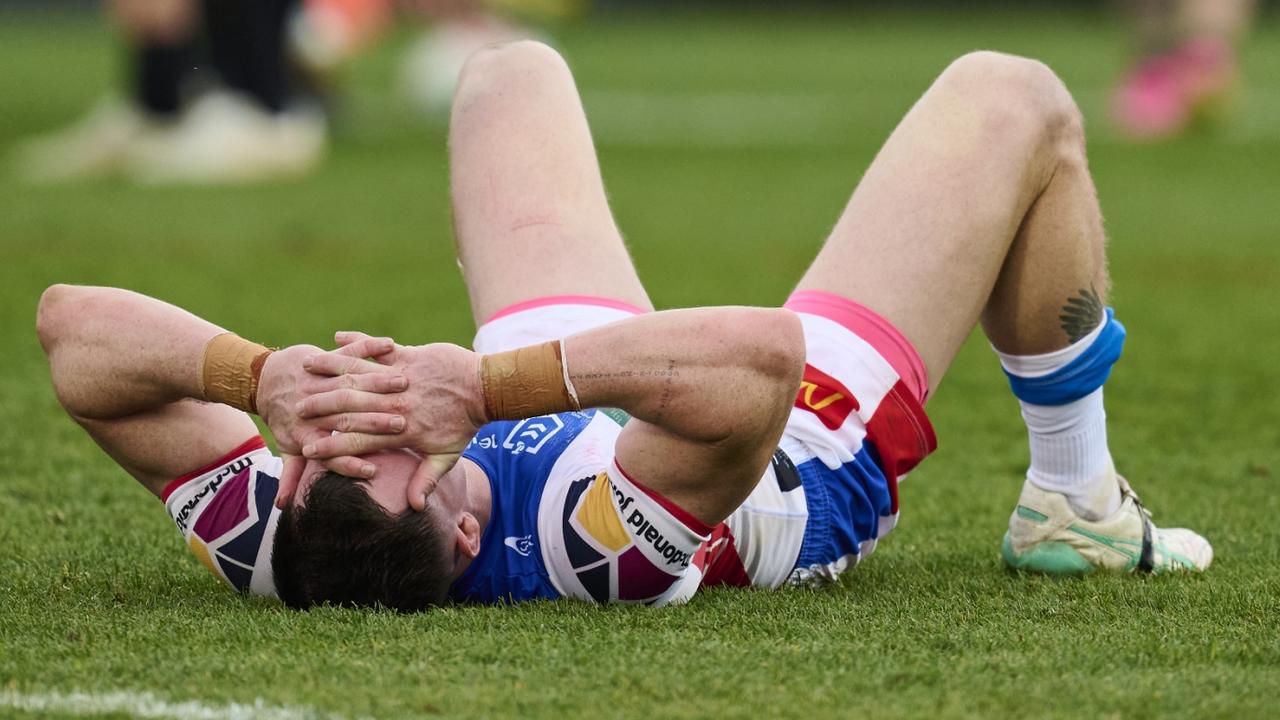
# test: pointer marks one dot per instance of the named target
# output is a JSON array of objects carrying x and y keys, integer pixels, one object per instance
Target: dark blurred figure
[
  {"x": 212, "y": 97},
  {"x": 1187, "y": 67}
]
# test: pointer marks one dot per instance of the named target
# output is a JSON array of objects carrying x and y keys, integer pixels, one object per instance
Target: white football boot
[
  {"x": 224, "y": 138},
  {"x": 94, "y": 147},
  {"x": 1046, "y": 536}
]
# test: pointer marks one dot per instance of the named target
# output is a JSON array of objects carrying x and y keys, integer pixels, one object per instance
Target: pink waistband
[
  {"x": 567, "y": 300},
  {"x": 860, "y": 320}
]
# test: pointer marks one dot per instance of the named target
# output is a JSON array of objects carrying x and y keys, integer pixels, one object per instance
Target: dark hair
[{"x": 342, "y": 547}]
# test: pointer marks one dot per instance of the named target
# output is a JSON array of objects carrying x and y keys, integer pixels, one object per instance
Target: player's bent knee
[
  {"x": 1018, "y": 96},
  {"x": 994, "y": 73},
  {"x": 519, "y": 62}
]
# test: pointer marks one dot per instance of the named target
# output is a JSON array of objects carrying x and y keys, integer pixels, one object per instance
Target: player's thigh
[
  {"x": 157, "y": 446},
  {"x": 530, "y": 213},
  {"x": 927, "y": 230}
]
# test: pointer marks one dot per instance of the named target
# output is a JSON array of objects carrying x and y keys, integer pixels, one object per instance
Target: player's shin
[{"x": 1061, "y": 397}]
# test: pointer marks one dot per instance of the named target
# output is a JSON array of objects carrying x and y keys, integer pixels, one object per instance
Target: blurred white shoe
[
  {"x": 96, "y": 146},
  {"x": 224, "y": 138},
  {"x": 429, "y": 72}
]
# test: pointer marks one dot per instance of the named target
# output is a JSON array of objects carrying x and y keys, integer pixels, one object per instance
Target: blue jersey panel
[
  {"x": 845, "y": 507},
  {"x": 518, "y": 457}
]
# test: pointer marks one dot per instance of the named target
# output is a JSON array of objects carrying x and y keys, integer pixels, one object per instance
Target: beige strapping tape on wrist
[
  {"x": 230, "y": 371},
  {"x": 526, "y": 382}
]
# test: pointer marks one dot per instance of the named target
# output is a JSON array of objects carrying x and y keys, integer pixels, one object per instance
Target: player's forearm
[
  {"x": 114, "y": 352},
  {"x": 706, "y": 374}
]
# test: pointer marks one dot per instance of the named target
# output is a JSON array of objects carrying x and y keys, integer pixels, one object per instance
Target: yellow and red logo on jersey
[{"x": 825, "y": 397}]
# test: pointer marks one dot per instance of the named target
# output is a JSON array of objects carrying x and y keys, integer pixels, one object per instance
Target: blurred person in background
[
  {"x": 227, "y": 90},
  {"x": 1186, "y": 68},
  {"x": 211, "y": 97}
]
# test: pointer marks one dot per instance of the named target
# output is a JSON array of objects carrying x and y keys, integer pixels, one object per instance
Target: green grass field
[{"x": 729, "y": 145}]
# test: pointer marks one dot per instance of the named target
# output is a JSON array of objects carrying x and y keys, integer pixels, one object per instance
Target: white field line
[
  {"x": 805, "y": 118},
  {"x": 146, "y": 705}
]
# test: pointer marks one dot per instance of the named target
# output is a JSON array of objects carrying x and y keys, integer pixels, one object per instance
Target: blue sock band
[{"x": 1079, "y": 377}]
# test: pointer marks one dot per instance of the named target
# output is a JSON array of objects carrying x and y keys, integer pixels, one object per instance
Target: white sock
[{"x": 1069, "y": 453}]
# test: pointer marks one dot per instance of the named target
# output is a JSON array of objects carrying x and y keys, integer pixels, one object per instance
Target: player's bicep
[
  {"x": 159, "y": 445},
  {"x": 709, "y": 480}
]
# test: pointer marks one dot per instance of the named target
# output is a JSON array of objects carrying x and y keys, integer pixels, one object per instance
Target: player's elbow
[
  {"x": 58, "y": 315},
  {"x": 53, "y": 316},
  {"x": 780, "y": 353},
  {"x": 774, "y": 359},
  {"x": 785, "y": 364}
]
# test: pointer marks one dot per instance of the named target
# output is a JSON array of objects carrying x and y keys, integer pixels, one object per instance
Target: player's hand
[
  {"x": 442, "y": 407},
  {"x": 285, "y": 382}
]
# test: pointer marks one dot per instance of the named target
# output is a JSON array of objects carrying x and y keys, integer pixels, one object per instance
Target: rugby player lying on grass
[{"x": 763, "y": 447}]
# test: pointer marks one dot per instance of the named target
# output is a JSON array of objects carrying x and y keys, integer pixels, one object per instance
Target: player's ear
[{"x": 467, "y": 535}]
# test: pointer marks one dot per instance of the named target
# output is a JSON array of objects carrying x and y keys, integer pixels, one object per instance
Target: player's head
[{"x": 348, "y": 541}]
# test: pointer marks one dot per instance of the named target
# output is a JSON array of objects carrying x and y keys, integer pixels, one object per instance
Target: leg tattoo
[{"x": 1081, "y": 315}]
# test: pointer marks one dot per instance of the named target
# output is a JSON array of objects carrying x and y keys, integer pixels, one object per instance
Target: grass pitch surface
[{"x": 729, "y": 146}]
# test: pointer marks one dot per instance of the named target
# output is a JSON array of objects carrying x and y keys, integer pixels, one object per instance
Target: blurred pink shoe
[{"x": 1166, "y": 92}]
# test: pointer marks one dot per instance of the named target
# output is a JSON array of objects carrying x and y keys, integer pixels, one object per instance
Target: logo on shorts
[{"x": 825, "y": 397}]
